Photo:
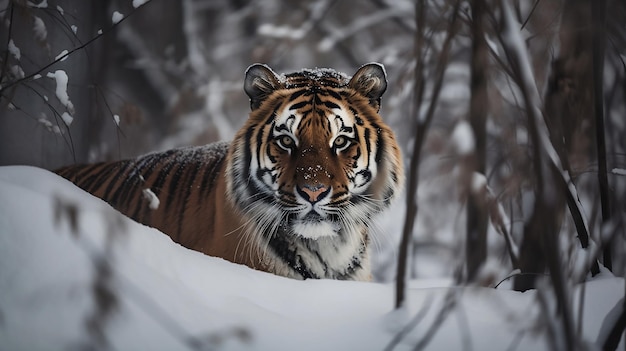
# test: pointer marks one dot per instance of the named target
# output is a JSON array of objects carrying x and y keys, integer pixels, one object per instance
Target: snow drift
[{"x": 74, "y": 273}]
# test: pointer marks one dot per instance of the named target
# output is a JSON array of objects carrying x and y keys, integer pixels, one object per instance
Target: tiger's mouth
[
  {"x": 314, "y": 225},
  {"x": 313, "y": 217}
]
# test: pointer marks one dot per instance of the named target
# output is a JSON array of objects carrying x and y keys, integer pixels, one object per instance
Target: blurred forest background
[{"x": 511, "y": 114}]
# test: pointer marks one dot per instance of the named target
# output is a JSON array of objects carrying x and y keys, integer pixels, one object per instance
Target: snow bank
[{"x": 55, "y": 239}]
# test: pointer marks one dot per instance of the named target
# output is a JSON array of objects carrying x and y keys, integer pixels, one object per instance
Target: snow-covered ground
[{"x": 74, "y": 272}]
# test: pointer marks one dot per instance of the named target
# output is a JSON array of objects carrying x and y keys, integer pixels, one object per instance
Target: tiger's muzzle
[{"x": 313, "y": 192}]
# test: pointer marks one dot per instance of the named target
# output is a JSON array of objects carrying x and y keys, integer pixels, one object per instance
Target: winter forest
[{"x": 511, "y": 115}]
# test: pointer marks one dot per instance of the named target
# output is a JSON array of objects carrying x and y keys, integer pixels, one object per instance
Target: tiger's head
[{"x": 314, "y": 160}]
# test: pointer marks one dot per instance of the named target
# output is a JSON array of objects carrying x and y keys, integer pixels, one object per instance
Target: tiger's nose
[{"x": 313, "y": 193}]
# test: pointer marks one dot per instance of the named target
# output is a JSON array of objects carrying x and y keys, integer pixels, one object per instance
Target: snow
[
  {"x": 17, "y": 71},
  {"x": 41, "y": 5},
  {"x": 116, "y": 17},
  {"x": 67, "y": 118},
  {"x": 137, "y": 3},
  {"x": 618, "y": 171},
  {"x": 329, "y": 42},
  {"x": 317, "y": 10},
  {"x": 479, "y": 183},
  {"x": 153, "y": 200},
  {"x": 63, "y": 55},
  {"x": 40, "y": 29},
  {"x": 463, "y": 138},
  {"x": 14, "y": 50},
  {"x": 61, "y": 89},
  {"x": 49, "y": 126},
  {"x": 54, "y": 236}
]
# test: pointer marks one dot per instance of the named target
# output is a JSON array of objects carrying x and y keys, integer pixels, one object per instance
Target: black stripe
[
  {"x": 299, "y": 105},
  {"x": 321, "y": 260},
  {"x": 86, "y": 171},
  {"x": 86, "y": 175},
  {"x": 170, "y": 193},
  {"x": 115, "y": 180},
  {"x": 156, "y": 187},
  {"x": 209, "y": 173},
  {"x": 259, "y": 145},
  {"x": 305, "y": 114},
  {"x": 394, "y": 176},
  {"x": 272, "y": 116},
  {"x": 297, "y": 94},
  {"x": 330, "y": 104},
  {"x": 281, "y": 128},
  {"x": 282, "y": 249},
  {"x": 94, "y": 181},
  {"x": 124, "y": 194},
  {"x": 380, "y": 145},
  {"x": 247, "y": 158},
  {"x": 346, "y": 129},
  {"x": 334, "y": 94},
  {"x": 380, "y": 142},
  {"x": 188, "y": 186},
  {"x": 339, "y": 194},
  {"x": 368, "y": 146},
  {"x": 215, "y": 171},
  {"x": 205, "y": 187}
]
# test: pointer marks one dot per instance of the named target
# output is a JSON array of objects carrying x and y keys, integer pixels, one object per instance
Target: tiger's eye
[
  {"x": 285, "y": 141},
  {"x": 340, "y": 142}
]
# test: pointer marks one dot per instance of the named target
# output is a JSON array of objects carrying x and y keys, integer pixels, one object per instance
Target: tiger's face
[{"x": 315, "y": 159}]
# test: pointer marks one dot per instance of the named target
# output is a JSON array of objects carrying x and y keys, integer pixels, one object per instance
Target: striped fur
[{"x": 295, "y": 191}]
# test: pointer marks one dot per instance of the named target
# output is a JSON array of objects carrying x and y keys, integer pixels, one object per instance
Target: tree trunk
[{"x": 476, "y": 225}]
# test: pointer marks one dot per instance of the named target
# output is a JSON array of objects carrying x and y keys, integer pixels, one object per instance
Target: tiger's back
[{"x": 164, "y": 190}]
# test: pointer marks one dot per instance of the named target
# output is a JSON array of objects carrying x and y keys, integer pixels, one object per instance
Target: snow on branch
[
  {"x": 41, "y": 33},
  {"x": 14, "y": 50},
  {"x": 317, "y": 11},
  {"x": 137, "y": 3},
  {"x": 358, "y": 25},
  {"x": 61, "y": 80},
  {"x": 116, "y": 17}
]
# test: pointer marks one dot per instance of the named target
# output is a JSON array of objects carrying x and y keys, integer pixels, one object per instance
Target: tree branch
[{"x": 421, "y": 128}]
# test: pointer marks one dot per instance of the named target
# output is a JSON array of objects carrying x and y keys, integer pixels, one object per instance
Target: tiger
[{"x": 293, "y": 194}]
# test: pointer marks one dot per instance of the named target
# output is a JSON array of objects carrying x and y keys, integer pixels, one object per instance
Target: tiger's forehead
[
  {"x": 315, "y": 96},
  {"x": 324, "y": 108}
]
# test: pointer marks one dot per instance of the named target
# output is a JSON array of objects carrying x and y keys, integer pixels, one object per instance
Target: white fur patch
[{"x": 315, "y": 230}]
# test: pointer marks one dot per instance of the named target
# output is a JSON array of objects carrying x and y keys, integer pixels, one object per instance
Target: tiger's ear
[
  {"x": 370, "y": 81},
  {"x": 259, "y": 83}
]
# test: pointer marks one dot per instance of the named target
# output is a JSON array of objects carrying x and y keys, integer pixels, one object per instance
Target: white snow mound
[{"x": 55, "y": 238}]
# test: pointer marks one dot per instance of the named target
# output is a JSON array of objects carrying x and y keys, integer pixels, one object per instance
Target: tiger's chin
[{"x": 315, "y": 229}]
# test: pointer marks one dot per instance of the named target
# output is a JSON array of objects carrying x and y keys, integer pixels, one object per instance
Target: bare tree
[
  {"x": 477, "y": 221},
  {"x": 422, "y": 124}
]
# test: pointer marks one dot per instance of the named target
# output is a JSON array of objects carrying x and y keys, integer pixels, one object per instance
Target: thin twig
[{"x": 62, "y": 57}]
